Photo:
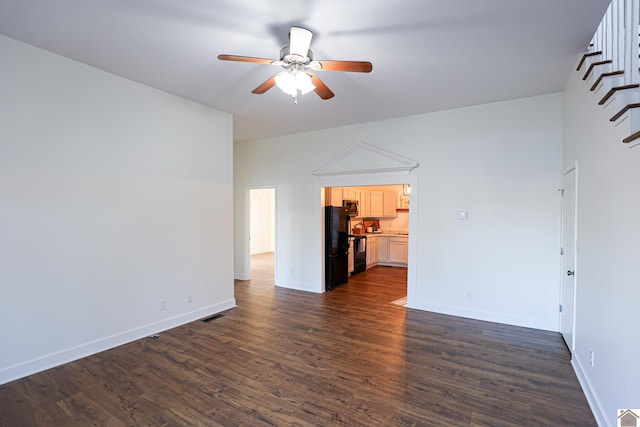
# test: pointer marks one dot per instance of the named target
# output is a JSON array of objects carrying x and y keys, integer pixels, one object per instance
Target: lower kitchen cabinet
[
  {"x": 387, "y": 250},
  {"x": 372, "y": 251},
  {"x": 383, "y": 249},
  {"x": 393, "y": 250},
  {"x": 398, "y": 250}
]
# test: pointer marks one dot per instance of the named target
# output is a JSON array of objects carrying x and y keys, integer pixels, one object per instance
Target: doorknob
[{"x": 570, "y": 273}]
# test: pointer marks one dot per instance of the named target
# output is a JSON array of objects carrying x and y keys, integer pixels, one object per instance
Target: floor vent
[{"x": 214, "y": 317}]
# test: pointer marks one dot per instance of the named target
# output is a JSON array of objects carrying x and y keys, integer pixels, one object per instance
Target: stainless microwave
[{"x": 352, "y": 207}]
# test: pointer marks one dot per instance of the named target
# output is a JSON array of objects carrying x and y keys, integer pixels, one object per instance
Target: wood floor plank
[{"x": 352, "y": 356}]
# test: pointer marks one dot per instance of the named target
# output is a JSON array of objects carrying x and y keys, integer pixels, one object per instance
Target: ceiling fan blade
[
  {"x": 246, "y": 59},
  {"x": 321, "y": 89},
  {"x": 299, "y": 41},
  {"x": 266, "y": 85},
  {"x": 352, "y": 66}
]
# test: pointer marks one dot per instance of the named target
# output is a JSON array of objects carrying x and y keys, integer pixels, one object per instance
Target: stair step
[
  {"x": 614, "y": 90},
  {"x": 631, "y": 137},
  {"x": 624, "y": 110},
  {"x": 604, "y": 75},
  {"x": 593, "y": 65},
  {"x": 585, "y": 56}
]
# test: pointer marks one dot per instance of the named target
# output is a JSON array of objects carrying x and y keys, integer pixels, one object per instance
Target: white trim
[
  {"x": 574, "y": 169},
  {"x": 245, "y": 274},
  {"x": 487, "y": 316},
  {"x": 299, "y": 286},
  {"x": 589, "y": 392},
  {"x": 360, "y": 180},
  {"x": 402, "y": 163},
  {"x": 33, "y": 366}
]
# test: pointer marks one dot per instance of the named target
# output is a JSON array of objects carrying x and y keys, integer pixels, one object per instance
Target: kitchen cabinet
[
  {"x": 393, "y": 250},
  {"x": 336, "y": 196},
  {"x": 390, "y": 204},
  {"x": 379, "y": 204},
  {"x": 372, "y": 251},
  {"x": 371, "y": 203},
  {"x": 398, "y": 250},
  {"x": 375, "y": 201},
  {"x": 348, "y": 193},
  {"x": 383, "y": 249},
  {"x": 363, "y": 204}
]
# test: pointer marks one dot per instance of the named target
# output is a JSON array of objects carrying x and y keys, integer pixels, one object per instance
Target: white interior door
[{"x": 568, "y": 257}]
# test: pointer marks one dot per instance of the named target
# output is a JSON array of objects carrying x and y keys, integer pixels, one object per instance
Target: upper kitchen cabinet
[
  {"x": 378, "y": 204},
  {"x": 333, "y": 196},
  {"x": 390, "y": 204},
  {"x": 375, "y": 200},
  {"x": 375, "y": 203},
  {"x": 349, "y": 193},
  {"x": 382, "y": 204}
]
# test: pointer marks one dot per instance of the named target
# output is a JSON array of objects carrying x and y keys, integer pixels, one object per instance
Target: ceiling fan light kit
[
  {"x": 299, "y": 66},
  {"x": 290, "y": 82}
]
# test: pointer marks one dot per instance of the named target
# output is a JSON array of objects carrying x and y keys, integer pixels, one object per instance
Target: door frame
[
  {"x": 368, "y": 179},
  {"x": 246, "y": 256},
  {"x": 573, "y": 169}
]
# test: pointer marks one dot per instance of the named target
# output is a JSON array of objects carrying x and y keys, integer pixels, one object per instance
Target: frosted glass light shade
[
  {"x": 304, "y": 83},
  {"x": 286, "y": 82},
  {"x": 292, "y": 82}
]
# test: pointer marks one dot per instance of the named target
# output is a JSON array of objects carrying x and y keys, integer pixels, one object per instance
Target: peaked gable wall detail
[{"x": 365, "y": 158}]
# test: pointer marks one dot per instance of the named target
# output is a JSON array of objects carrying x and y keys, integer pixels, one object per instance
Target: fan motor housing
[{"x": 287, "y": 57}]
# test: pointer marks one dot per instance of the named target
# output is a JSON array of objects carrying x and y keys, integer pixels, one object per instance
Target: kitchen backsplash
[{"x": 399, "y": 224}]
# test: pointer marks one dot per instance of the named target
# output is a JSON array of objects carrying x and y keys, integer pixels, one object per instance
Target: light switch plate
[{"x": 463, "y": 215}]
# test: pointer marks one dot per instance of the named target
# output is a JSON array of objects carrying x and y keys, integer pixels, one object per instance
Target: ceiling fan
[{"x": 299, "y": 67}]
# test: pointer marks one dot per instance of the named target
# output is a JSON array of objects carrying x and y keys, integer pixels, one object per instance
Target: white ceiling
[{"x": 427, "y": 55}]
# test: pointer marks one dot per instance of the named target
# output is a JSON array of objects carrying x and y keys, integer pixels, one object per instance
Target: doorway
[
  {"x": 262, "y": 228},
  {"x": 380, "y": 214},
  {"x": 568, "y": 281}
]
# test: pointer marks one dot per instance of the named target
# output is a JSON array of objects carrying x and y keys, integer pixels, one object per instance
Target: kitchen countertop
[{"x": 383, "y": 234}]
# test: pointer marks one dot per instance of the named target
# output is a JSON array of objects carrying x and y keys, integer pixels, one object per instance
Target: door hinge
[
  {"x": 561, "y": 190},
  {"x": 560, "y": 308},
  {"x": 561, "y": 251}
]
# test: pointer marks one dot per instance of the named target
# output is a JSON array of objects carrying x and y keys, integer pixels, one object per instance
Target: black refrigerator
[{"x": 336, "y": 246}]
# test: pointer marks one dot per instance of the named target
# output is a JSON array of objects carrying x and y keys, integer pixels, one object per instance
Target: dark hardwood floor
[{"x": 352, "y": 356}]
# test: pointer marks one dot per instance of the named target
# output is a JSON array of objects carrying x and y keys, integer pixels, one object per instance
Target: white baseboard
[
  {"x": 241, "y": 276},
  {"x": 594, "y": 403},
  {"x": 507, "y": 319},
  {"x": 30, "y": 367},
  {"x": 299, "y": 286}
]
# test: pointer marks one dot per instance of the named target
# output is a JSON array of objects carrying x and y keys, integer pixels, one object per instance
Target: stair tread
[
  {"x": 593, "y": 65},
  {"x": 614, "y": 90},
  {"x": 585, "y": 56},
  {"x": 624, "y": 110},
  {"x": 603, "y": 75},
  {"x": 631, "y": 137}
]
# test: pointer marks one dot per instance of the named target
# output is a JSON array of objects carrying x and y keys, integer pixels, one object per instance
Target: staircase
[{"x": 610, "y": 66}]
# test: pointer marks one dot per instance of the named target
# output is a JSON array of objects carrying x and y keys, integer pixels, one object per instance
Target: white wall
[
  {"x": 608, "y": 271},
  {"x": 500, "y": 162},
  {"x": 113, "y": 197}
]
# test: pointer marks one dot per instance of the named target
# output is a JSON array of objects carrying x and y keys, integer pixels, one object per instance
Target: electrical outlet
[
  {"x": 190, "y": 299},
  {"x": 469, "y": 294},
  {"x": 163, "y": 305},
  {"x": 591, "y": 356}
]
